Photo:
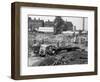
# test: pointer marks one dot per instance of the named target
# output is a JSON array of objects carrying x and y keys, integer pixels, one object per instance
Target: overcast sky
[{"x": 77, "y": 21}]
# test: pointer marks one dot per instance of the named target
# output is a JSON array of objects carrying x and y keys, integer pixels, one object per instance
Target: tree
[{"x": 58, "y": 22}]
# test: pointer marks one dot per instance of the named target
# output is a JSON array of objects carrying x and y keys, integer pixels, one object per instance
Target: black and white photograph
[{"x": 57, "y": 40}]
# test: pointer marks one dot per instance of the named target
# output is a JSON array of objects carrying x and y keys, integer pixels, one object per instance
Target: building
[
  {"x": 46, "y": 29},
  {"x": 68, "y": 26},
  {"x": 57, "y": 26},
  {"x": 29, "y": 24},
  {"x": 48, "y": 23},
  {"x": 60, "y": 25},
  {"x": 68, "y": 33},
  {"x": 34, "y": 24}
]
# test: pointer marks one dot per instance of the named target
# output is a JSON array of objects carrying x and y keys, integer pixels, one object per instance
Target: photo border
[{"x": 15, "y": 39}]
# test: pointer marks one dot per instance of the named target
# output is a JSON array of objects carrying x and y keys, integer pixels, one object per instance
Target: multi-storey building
[
  {"x": 34, "y": 24},
  {"x": 48, "y": 23},
  {"x": 58, "y": 25}
]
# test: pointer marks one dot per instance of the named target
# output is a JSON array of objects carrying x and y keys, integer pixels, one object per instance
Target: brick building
[
  {"x": 58, "y": 24},
  {"x": 48, "y": 23},
  {"x": 34, "y": 24}
]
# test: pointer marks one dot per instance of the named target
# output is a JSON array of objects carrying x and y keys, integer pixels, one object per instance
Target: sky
[{"x": 77, "y": 21}]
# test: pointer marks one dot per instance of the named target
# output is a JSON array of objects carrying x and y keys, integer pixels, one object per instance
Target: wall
[{"x": 5, "y": 40}]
